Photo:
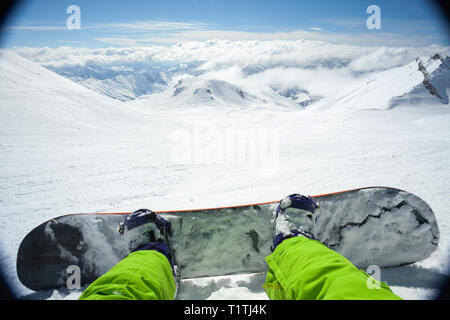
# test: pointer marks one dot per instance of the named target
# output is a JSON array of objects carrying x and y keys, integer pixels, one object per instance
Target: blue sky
[{"x": 106, "y": 23}]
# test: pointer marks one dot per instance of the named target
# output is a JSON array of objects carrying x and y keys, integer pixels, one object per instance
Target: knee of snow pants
[
  {"x": 305, "y": 269},
  {"x": 142, "y": 275}
]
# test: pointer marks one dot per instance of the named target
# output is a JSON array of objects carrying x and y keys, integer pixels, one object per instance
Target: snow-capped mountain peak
[
  {"x": 193, "y": 92},
  {"x": 212, "y": 90},
  {"x": 436, "y": 75},
  {"x": 424, "y": 80}
]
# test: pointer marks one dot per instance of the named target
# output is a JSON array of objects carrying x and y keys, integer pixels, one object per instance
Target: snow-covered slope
[
  {"x": 119, "y": 82},
  {"x": 425, "y": 80},
  {"x": 64, "y": 148},
  {"x": 301, "y": 97},
  {"x": 200, "y": 92},
  {"x": 124, "y": 87},
  {"x": 435, "y": 84},
  {"x": 34, "y": 97}
]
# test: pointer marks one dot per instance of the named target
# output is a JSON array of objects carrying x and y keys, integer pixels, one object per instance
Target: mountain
[
  {"x": 299, "y": 96},
  {"x": 435, "y": 84},
  {"x": 195, "y": 92},
  {"x": 65, "y": 148},
  {"x": 124, "y": 82},
  {"x": 35, "y": 97},
  {"x": 424, "y": 80}
]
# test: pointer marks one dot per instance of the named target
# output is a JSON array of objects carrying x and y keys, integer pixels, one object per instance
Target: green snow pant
[
  {"x": 304, "y": 269},
  {"x": 299, "y": 268},
  {"x": 142, "y": 275}
]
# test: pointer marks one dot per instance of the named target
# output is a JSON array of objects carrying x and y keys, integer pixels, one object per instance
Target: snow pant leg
[
  {"x": 305, "y": 269},
  {"x": 142, "y": 275}
]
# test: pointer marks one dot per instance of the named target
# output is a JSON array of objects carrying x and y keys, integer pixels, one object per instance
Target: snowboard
[{"x": 379, "y": 226}]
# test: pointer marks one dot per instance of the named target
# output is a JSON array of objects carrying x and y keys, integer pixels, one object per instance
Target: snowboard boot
[
  {"x": 146, "y": 230},
  {"x": 294, "y": 217}
]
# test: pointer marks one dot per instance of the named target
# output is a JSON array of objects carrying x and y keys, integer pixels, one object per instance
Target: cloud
[
  {"x": 129, "y": 27},
  {"x": 71, "y": 41},
  {"x": 248, "y": 55},
  {"x": 348, "y": 22},
  {"x": 119, "y": 41},
  {"x": 320, "y": 82},
  {"x": 143, "y": 33},
  {"x": 35, "y": 28},
  {"x": 144, "y": 26},
  {"x": 322, "y": 69},
  {"x": 368, "y": 38},
  {"x": 205, "y": 35}
]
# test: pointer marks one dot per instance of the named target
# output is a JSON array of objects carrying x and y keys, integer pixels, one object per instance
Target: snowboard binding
[
  {"x": 146, "y": 230},
  {"x": 294, "y": 217},
  {"x": 156, "y": 227}
]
